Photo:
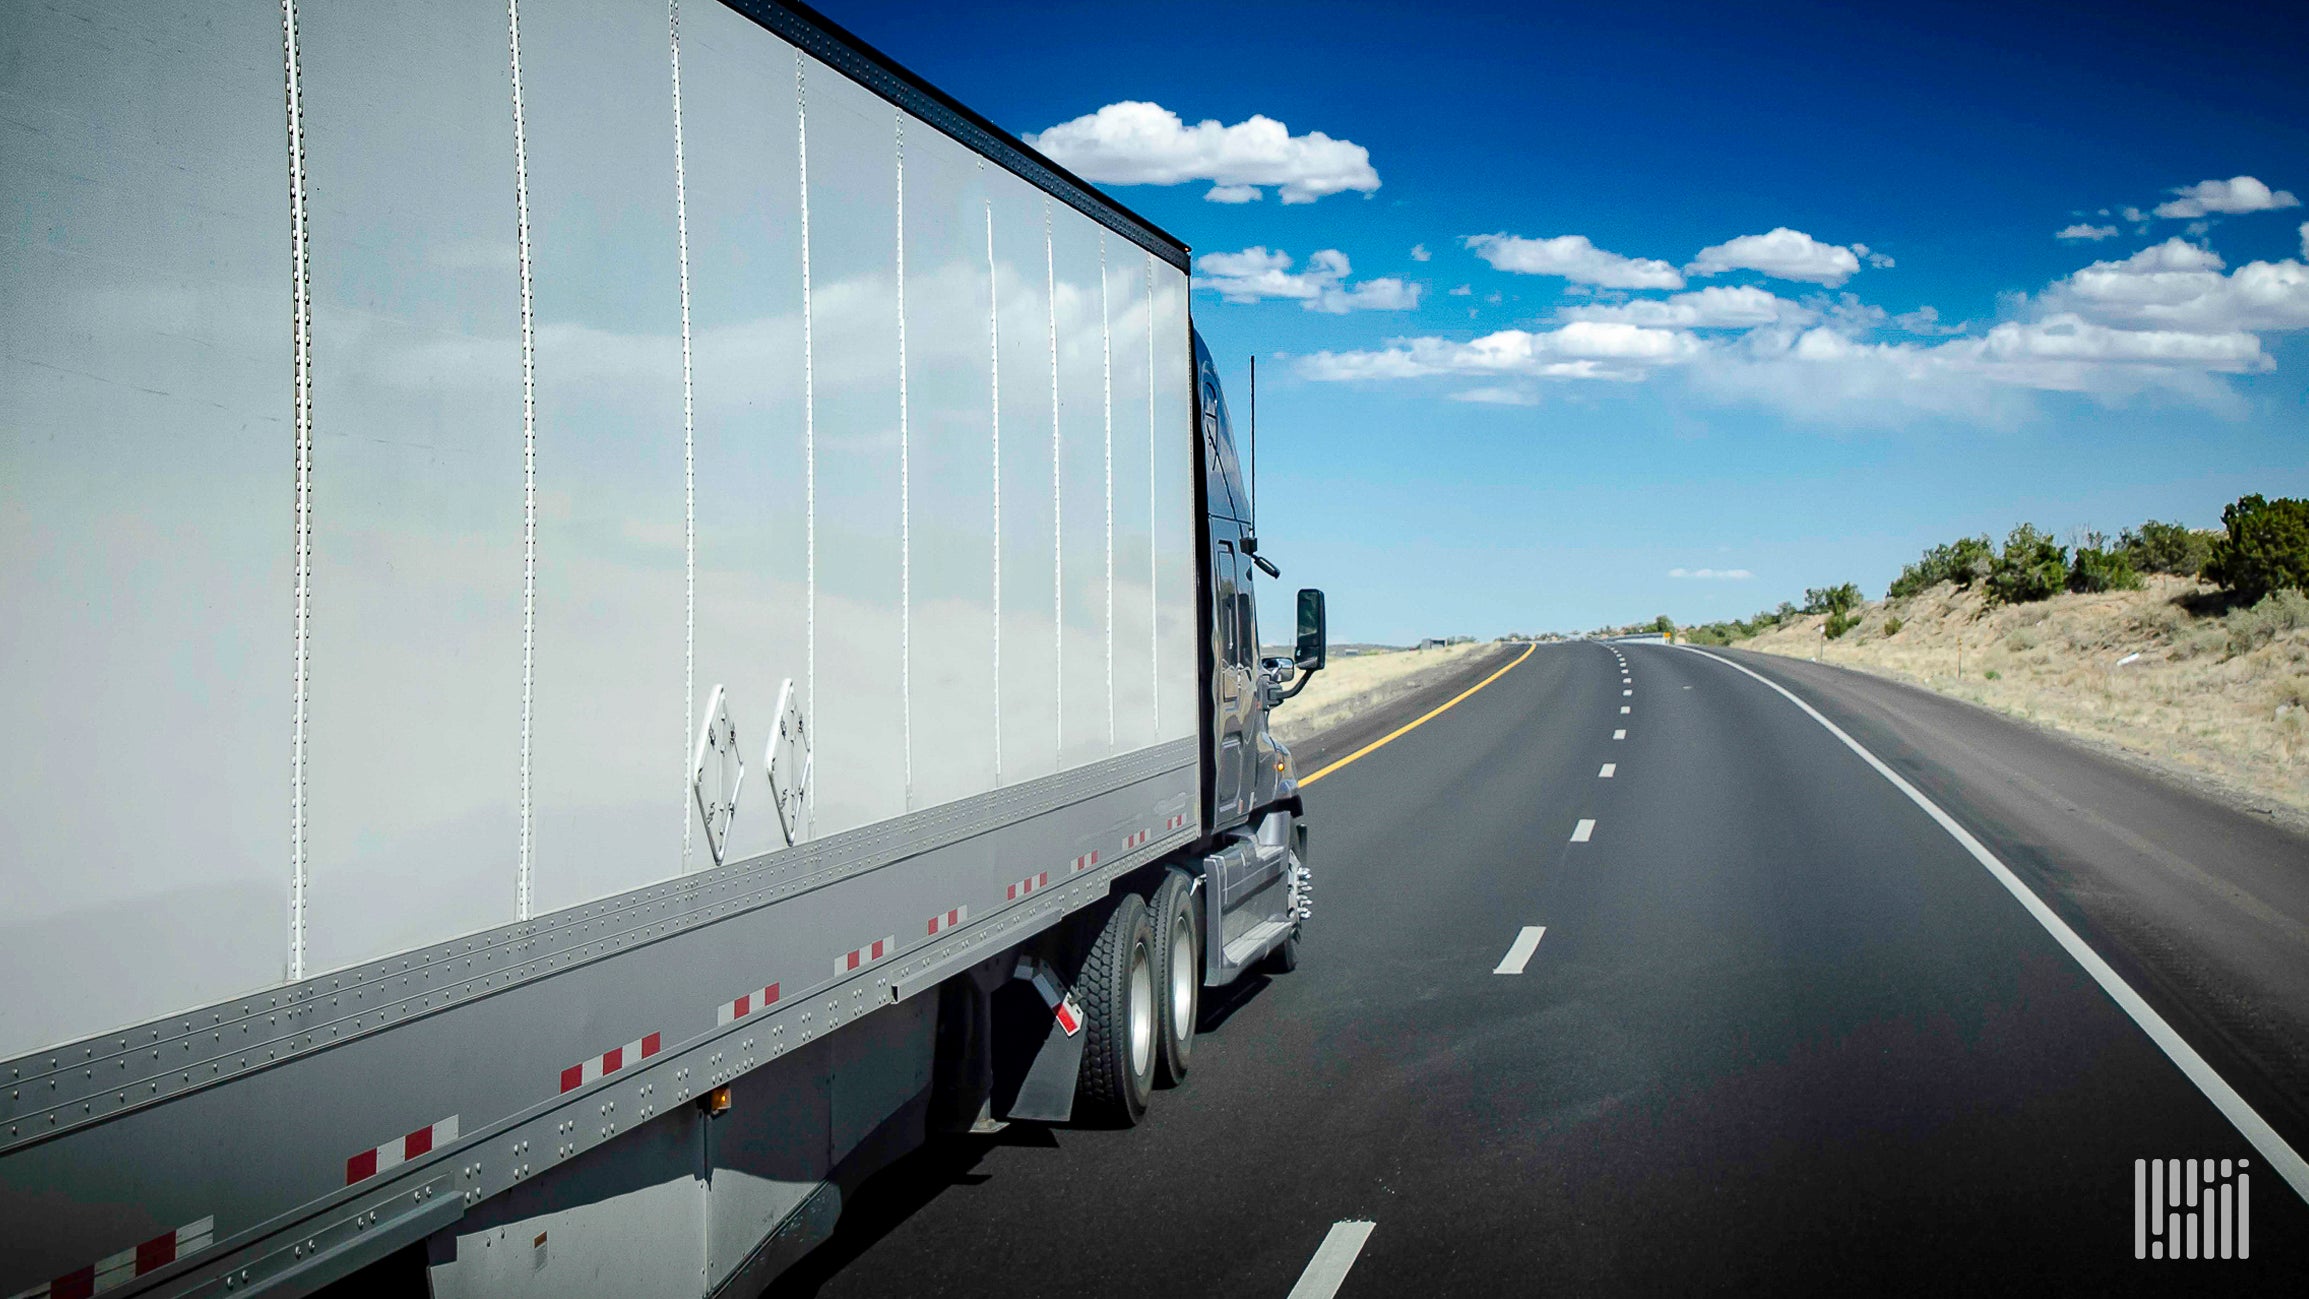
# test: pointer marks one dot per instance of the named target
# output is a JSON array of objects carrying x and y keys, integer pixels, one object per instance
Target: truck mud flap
[{"x": 1038, "y": 1045}]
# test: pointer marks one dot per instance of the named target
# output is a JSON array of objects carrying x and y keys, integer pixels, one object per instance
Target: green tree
[
  {"x": 1836, "y": 600},
  {"x": 2265, "y": 547},
  {"x": 1664, "y": 625},
  {"x": 1963, "y": 561},
  {"x": 2166, "y": 548},
  {"x": 2098, "y": 569},
  {"x": 2032, "y": 566}
]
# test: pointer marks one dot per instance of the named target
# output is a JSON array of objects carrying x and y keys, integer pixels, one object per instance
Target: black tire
[
  {"x": 1117, "y": 992},
  {"x": 1178, "y": 951}
]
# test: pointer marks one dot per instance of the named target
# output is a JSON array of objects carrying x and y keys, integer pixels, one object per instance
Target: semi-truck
[{"x": 612, "y": 615}]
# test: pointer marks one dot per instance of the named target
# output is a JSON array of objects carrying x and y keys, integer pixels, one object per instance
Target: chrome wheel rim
[
  {"x": 1183, "y": 978},
  {"x": 1141, "y": 1010}
]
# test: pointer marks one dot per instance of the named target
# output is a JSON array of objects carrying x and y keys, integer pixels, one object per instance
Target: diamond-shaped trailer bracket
[
  {"x": 786, "y": 761},
  {"x": 717, "y": 774}
]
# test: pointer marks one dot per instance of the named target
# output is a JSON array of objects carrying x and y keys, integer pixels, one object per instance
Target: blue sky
[{"x": 1546, "y": 451}]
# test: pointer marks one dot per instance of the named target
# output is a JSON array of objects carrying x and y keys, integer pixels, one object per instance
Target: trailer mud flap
[{"x": 1039, "y": 1040}]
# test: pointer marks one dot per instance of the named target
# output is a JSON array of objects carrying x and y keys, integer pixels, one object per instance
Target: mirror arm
[{"x": 1265, "y": 564}]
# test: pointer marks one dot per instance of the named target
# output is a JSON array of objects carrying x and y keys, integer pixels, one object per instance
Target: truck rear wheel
[
  {"x": 1178, "y": 976},
  {"x": 1117, "y": 986}
]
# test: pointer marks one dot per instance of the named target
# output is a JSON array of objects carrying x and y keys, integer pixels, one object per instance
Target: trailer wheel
[
  {"x": 1178, "y": 976},
  {"x": 1117, "y": 985}
]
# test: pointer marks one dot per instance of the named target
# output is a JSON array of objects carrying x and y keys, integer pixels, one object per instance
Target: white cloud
[
  {"x": 1498, "y": 395},
  {"x": 1258, "y": 273},
  {"x": 1712, "y": 574},
  {"x": 1419, "y": 253},
  {"x": 2177, "y": 285},
  {"x": 1573, "y": 258},
  {"x": 1715, "y": 307},
  {"x": 2305, "y": 241},
  {"x": 1876, "y": 259},
  {"x": 1782, "y": 254},
  {"x": 2081, "y": 230},
  {"x": 2173, "y": 318},
  {"x": 1138, "y": 143},
  {"x": 2235, "y": 195},
  {"x": 1468, "y": 291},
  {"x": 1579, "y": 350}
]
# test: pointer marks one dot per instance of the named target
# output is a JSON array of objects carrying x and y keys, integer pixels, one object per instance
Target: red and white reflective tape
[
  {"x": 867, "y": 955},
  {"x": 1028, "y": 885},
  {"x": 400, "y": 1150},
  {"x": 119, "y": 1269},
  {"x": 948, "y": 919},
  {"x": 1136, "y": 840},
  {"x": 1062, "y": 1004},
  {"x": 1087, "y": 860},
  {"x": 758, "y": 999},
  {"x": 578, "y": 1075},
  {"x": 1175, "y": 823}
]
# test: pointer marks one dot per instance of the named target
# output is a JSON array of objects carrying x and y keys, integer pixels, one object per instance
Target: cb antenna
[{"x": 1254, "y": 444}]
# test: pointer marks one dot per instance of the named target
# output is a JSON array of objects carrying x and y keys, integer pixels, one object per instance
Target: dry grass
[
  {"x": 2219, "y": 697},
  {"x": 1351, "y": 687}
]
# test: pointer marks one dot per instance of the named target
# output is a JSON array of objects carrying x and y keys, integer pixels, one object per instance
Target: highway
[{"x": 1629, "y": 975}]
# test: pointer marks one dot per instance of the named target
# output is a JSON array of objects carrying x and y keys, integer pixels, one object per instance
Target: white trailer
[{"x": 611, "y": 613}]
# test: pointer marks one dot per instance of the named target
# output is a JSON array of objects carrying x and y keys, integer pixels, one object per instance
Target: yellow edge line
[{"x": 1408, "y": 727}]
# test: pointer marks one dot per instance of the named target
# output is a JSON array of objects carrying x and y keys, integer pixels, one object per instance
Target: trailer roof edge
[{"x": 836, "y": 46}]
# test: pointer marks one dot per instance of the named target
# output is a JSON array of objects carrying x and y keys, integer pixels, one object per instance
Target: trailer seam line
[
  {"x": 301, "y": 344},
  {"x": 688, "y": 439},
  {"x": 528, "y": 457},
  {"x": 905, "y": 494}
]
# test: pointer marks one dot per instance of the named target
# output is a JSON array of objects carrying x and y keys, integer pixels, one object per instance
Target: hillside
[{"x": 2222, "y": 699}]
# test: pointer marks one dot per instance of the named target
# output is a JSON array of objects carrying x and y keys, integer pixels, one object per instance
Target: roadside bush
[
  {"x": 2277, "y": 613},
  {"x": 2095, "y": 570},
  {"x": 1839, "y": 623},
  {"x": 1892, "y": 626},
  {"x": 2020, "y": 641},
  {"x": 2031, "y": 567},
  {"x": 2166, "y": 548},
  {"x": 1963, "y": 561},
  {"x": 2265, "y": 547}
]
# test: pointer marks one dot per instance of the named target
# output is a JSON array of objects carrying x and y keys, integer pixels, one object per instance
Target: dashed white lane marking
[
  {"x": 1328, "y": 1269},
  {"x": 1519, "y": 952},
  {"x": 1625, "y": 693},
  {"x": 1608, "y": 769},
  {"x": 1619, "y": 735},
  {"x": 1623, "y": 710},
  {"x": 2241, "y": 1115},
  {"x": 1580, "y": 832}
]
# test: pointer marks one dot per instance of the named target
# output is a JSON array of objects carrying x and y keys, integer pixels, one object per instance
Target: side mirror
[{"x": 1314, "y": 637}]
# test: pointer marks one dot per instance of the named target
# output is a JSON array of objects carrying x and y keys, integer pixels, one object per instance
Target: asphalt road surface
[{"x": 1780, "y": 1028}]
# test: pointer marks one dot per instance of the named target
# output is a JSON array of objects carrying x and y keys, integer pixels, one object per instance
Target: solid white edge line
[
  {"x": 1519, "y": 952},
  {"x": 1327, "y": 1271},
  {"x": 1580, "y": 832},
  {"x": 2255, "y": 1129}
]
